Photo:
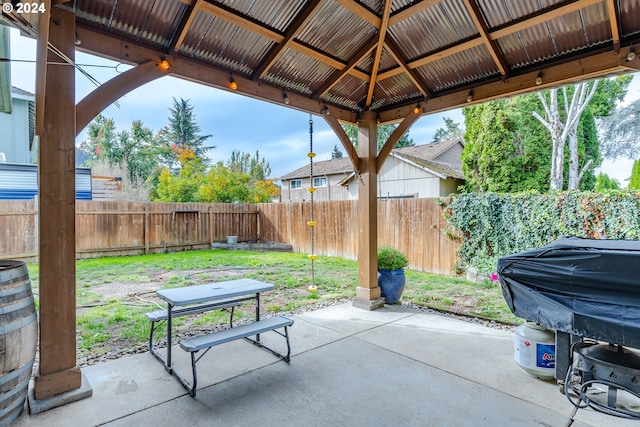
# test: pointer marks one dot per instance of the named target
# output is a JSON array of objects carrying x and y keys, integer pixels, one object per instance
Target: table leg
[
  {"x": 169, "y": 335},
  {"x": 257, "y": 312}
]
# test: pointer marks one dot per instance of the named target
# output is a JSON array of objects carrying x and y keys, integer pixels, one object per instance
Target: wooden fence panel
[
  {"x": 18, "y": 219},
  {"x": 105, "y": 228},
  {"x": 414, "y": 226}
]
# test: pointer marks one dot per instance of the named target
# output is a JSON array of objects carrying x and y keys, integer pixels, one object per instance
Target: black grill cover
[{"x": 585, "y": 287}]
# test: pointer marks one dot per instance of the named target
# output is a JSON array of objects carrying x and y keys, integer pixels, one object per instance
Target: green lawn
[{"x": 114, "y": 293}]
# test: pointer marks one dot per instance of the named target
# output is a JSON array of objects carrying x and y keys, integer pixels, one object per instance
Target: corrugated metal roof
[
  {"x": 316, "y": 48},
  {"x": 336, "y": 32}
]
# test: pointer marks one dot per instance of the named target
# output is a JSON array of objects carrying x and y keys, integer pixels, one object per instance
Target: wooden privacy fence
[
  {"x": 414, "y": 226},
  {"x": 105, "y": 228}
]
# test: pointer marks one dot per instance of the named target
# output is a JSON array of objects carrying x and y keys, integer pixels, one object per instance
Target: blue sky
[{"x": 280, "y": 134}]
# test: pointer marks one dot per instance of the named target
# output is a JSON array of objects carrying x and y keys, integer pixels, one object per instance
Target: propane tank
[{"x": 535, "y": 350}]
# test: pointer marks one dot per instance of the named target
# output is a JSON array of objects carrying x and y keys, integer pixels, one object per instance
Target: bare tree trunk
[
  {"x": 561, "y": 132},
  {"x": 581, "y": 98},
  {"x": 555, "y": 127},
  {"x": 572, "y": 143}
]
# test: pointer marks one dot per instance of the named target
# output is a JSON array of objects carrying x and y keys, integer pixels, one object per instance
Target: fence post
[
  {"x": 36, "y": 231},
  {"x": 145, "y": 228}
]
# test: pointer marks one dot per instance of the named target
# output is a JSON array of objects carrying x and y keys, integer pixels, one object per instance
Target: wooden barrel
[{"x": 18, "y": 338}]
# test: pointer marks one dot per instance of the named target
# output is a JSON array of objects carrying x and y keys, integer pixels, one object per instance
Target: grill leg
[{"x": 564, "y": 342}]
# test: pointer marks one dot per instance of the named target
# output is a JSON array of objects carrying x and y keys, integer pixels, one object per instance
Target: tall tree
[
  {"x": 185, "y": 186},
  {"x": 336, "y": 153},
  {"x": 384, "y": 131},
  {"x": 136, "y": 151},
  {"x": 621, "y": 132},
  {"x": 183, "y": 132},
  {"x": 563, "y": 127},
  {"x": 256, "y": 167},
  {"x": 224, "y": 186},
  {"x": 604, "y": 182},
  {"x": 634, "y": 182},
  {"x": 588, "y": 154},
  {"x": 259, "y": 169},
  {"x": 564, "y": 116},
  {"x": 451, "y": 130},
  {"x": 505, "y": 149},
  {"x": 101, "y": 142}
]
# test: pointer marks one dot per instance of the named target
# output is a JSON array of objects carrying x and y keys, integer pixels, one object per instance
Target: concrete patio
[{"x": 350, "y": 367}]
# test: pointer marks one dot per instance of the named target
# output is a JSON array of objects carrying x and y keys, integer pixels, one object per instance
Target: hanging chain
[{"x": 312, "y": 223}]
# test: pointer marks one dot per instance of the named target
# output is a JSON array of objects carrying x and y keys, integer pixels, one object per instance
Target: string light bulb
[
  {"x": 417, "y": 109},
  {"x": 470, "y": 96},
  {"x": 285, "y": 98},
  {"x": 539, "y": 79},
  {"x": 164, "y": 65},
  {"x": 232, "y": 83},
  {"x": 631, "y": 55}
]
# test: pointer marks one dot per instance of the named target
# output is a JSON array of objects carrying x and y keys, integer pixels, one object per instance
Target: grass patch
[{"x": 115, "y": 321}]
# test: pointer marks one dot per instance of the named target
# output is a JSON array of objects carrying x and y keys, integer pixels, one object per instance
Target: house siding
[
  {"x": 449, "y": 186},
  {"x": 332, "y": 191},
  {"x": 14, "y": 141},
  {"x": 401, "y": 179}
]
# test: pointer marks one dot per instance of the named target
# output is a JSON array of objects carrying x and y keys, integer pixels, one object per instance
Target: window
[
  {"x": 296, "y": 183},
  {"x": 320, "y": 182}
]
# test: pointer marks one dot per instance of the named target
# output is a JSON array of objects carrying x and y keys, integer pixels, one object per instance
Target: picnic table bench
[{"x": 216, "y": 296}]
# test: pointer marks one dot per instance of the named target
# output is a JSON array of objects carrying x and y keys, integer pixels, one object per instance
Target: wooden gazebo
[{"x": 358, "y": 61}]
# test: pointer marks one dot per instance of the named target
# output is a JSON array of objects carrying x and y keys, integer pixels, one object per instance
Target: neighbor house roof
[
  {"x": 323, "y": 167},
  {"x": 442, "y": 170},
  {"x": 420, "y": 155},
  {"x": 429, "y": 151},
  {"x": 18, "y": 93}
]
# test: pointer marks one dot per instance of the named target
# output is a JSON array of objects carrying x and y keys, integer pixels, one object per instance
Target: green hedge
[{"x": 491, "y": 225}]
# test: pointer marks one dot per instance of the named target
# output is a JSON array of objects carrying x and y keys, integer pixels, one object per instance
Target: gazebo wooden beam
[
  {"x": 344, "y": 139},
  {"x": 95, "y": 102},
  {"x": 368, "y": 294},
  {"x": 395, "y": 137},
  {"x": 57, "y": 372},
  {"x": 382, "y": 34},
  {"x": 133, "y": 53}
]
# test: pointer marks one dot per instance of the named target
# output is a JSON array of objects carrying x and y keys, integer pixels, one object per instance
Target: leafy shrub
[{"x": 391, "y": 259}]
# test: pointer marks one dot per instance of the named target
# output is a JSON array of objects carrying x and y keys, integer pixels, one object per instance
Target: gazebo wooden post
[
  {"x": 368, "y": 293},
  {"x": 57, "y": 372}
]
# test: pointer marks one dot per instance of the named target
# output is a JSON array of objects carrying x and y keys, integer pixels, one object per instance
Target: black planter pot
[{"x": 391, "y": 283}]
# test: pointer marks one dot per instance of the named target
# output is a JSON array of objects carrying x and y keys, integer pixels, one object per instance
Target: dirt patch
[
  {"x": 132, "y": 291},
  {"x": 463, "y": 303}
]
